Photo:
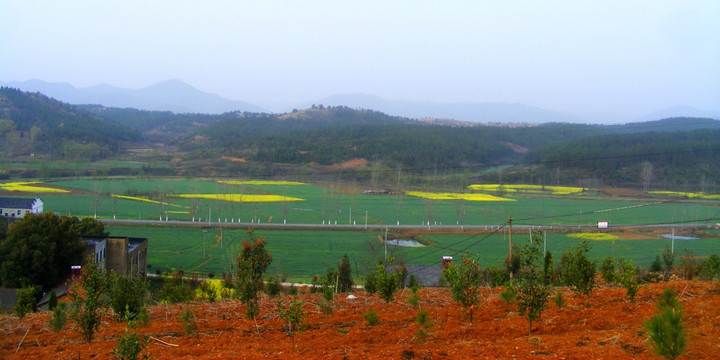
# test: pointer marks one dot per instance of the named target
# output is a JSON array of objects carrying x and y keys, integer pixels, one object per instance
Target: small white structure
[
  {"x": 18, "y": 207},
  {"x": 603, "y": 224}
]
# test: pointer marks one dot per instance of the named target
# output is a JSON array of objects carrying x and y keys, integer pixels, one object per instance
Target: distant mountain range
[
  {"x": 170, "y": 95},
  {"x": 179, "y": 97}
]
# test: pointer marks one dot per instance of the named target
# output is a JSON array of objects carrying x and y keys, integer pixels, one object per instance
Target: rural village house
[{"x": 18, "y": 207}]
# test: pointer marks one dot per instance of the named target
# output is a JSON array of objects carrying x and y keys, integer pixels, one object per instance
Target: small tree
[
  {"x": 344, "y": 274},
  {"x": 627, "y": 278},
  {"x": 385, "y": 284},
  {"x": 607, "y": 269},
  {"x": 666, "y": 330},
  {"x": 531, "y": 291},
  {"x": 577, "y": 271},
  {"x": 59, "y": 318},
  {"x": 254, "y": 259},
  {"x": 87, "y": 298},
  {"x": 668, "y": 259},
  {"x": 52, "y": 300},
  {"x": 711, "y": 267},
  {"x": 175, "y": 289},
  {"x": 548, "y": 274},
  {"x": 464, "y": 281},
  {"x": 293, "y": 315},
  {"x": 128, "y": 295},
  {"x": 26, "y": 301}
]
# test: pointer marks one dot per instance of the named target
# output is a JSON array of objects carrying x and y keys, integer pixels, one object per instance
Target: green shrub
[
  {"x": 548, "y": 275},
  {"x": 59, "y": 318},
  {"x": 344, "y": 274},
  {"x": 176, "y": 289},
  {"x": 188, "y": 320},
  {"x": 711, "y": 267},
  {"x": 607, "y": 269},
  {"x": 577, "y": 271},
  {"x": 87, "y": 297},
  {"x": 294, "y": 316},
  {"x": 128, "y": 295},
  {"x": 130, "y": 345},
  {"x": 498, "y": 276},
  {"x": 413, "y": 281},
  {"x": 414, "y": 298},
  {"x": 531, "y": 292},
  {"x": 464, "y": 280},
  {"x": 325, "y": 307},
  {"x": 328, "y": 293},
  {"x": 665, "y": 330},
  {"x": 26, "y": 301},
  {"x": 292, "y": 290},
  {"x": 371, "y": 317},
  {"x": 370, "y": 283},
  {"x": 52, "y": 300},
  {"x": 558, "y": 299},
  {"x": 507, "y": 295},
  {"x": 628, "y": 278},
  {"x": 423, "y": 323},
  {"x": 385, "y": 284},
  {"x": 656, "y": 265},
  {"x": 273, "y": 287},
  {"x": 254, "y": 259}
]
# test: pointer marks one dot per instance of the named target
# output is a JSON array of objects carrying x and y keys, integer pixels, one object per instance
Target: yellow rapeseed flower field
[
  {"x": 29, "y": 187},
  {"x": 260, "y": 182},
  {"x": 555, "y": 190},
  {"x": 593, "y": 236},
  {"x": 689, "y": 195},
  {"x": 455, "y": 196},
  {"x": 134, "y": 198},
  {"x": 239, "y": 197}
]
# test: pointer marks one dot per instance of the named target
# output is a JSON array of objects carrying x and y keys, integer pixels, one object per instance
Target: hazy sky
[{"x": 581, "y": 56}]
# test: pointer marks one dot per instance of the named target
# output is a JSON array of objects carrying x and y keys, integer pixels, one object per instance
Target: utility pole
[{"x": 510, "y": 242}]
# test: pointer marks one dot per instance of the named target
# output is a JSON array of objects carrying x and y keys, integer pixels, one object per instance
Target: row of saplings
[{"x": 528, "y": 277}]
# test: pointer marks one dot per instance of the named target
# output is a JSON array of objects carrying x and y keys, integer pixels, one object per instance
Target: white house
[{"x": 18, "y": 207}]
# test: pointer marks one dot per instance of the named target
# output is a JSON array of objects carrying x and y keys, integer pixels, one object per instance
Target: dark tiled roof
[{"x": 16, "y": 203}]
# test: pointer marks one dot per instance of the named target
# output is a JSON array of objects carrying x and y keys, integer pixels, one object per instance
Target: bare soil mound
[{"x": 603, "y": 326}]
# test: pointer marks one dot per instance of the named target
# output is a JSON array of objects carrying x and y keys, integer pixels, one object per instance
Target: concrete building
[
  {"x": 15, "y": 208},
  {"x": 123, "y": 255},
  {"x": 127, "y": 255}
]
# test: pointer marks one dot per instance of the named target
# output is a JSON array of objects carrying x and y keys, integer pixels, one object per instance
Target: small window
[{"x": 19, "y": 212}]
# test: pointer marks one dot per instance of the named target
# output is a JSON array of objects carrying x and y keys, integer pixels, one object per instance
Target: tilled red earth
[{"x": 604, "y": 326}]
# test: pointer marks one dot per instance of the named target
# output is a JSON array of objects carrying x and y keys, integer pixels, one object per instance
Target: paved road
[{"x": 414, "y": 228}]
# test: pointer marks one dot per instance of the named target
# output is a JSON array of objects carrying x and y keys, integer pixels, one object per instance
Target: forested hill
[
  {"x": 32, "y": 122},
  {"x": 670, "y": 157},
  {"x": 674, "y": 151}
]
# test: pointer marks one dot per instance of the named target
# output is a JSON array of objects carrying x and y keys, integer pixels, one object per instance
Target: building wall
[
  {"x": 137, "y": 259},
  {"x": 117, "y": 255}
]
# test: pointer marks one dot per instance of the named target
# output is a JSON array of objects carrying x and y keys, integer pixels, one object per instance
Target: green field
[
  {"x": 301, "y": 254},
  {"x": 328, "y": 204}
]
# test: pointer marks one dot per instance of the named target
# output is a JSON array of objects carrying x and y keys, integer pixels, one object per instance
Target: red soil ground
[{"x": 604, "y": 326}]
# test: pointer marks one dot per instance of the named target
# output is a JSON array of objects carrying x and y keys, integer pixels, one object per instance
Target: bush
[
  {"x": 188, "y": 320},
  {"x": 688, "y": 266},
  {"x": 423, "y": 322},
  {"x": 371, "y": 317},
  {"x": 130, "y": 345},
  {"x": 294, "y": 316},
  {"x": 558, "y": 299},
  {"x": 370, "y": 283},
  {"x": 413, "y": 282},
  {"x": 52, "y": 300},
  {"x": 59, "y": 318},
  {"x": 26, "y": 301},
  {"x": 607, "y": 269},
  {"x": 87, "y": 298},
  {"x": 656, "y": 265},
  {"x": 273, "y": 287},
  {"x": 251, "y": 264},
  {"x": 344, "y": 273},
  {"x": 507, "y": 295},
  {"x": 328, "y": 293},
  {"x": 292, "y": 290},
  {"x": 665, "y": 330},
  {"x": 577, "y": 271},
  {"x": 627, "y": 278},
  {"x": 498, "y": 276},
  {"x": 464, "y": 281},
  {"x": 711, "y": 267},
  {"x": 531, "y": 292},
  {"x": 385, "y": 283},
  {"x": 128, "y": 295},
  {"x": 668, "y": 259},
  {"x": 548, "y": 275},
  {"x": 175, "y": 289}
]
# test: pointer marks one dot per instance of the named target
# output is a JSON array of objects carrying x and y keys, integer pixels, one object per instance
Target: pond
[
  {"x": 401, "y": 242},
  {"x": 679, "y": 237}
]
